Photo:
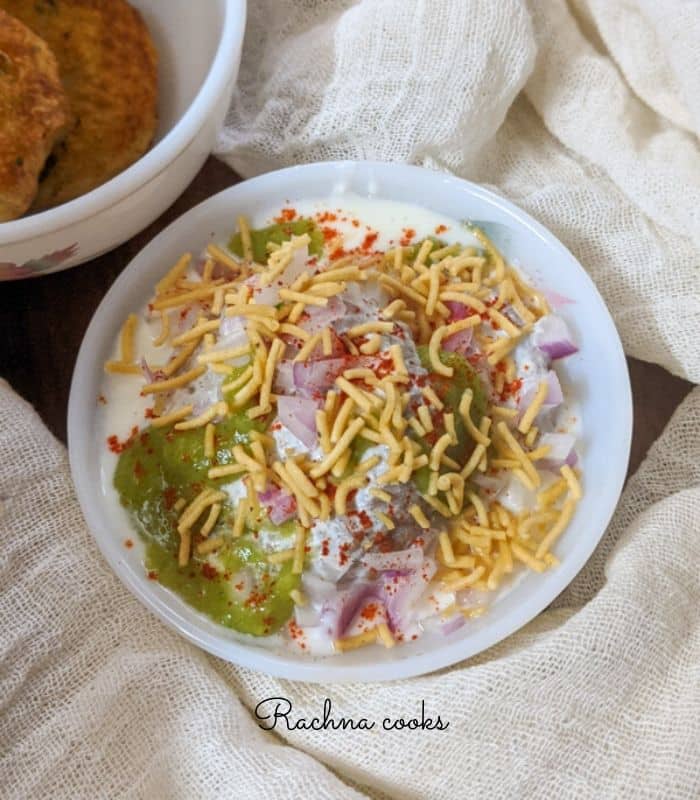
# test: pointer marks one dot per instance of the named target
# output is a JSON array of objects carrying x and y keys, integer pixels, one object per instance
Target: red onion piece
[
  {"x": 313, "y": 378},
  {"x": 457, "y": 310},
  {"x": 280, "y": 505},
  {"x": 270, "y": 295},
  {"x": 186, "y": 317},
  {"x": 339, "y": 611},
  {"x": 555, "y": 299},
  {"x": 284, "y": 377},
  {"x": 552, "y": 336},
  {"x": 554, "y": 398},
  {"x": 561, "y": 452},
  {"x": 148, "y": 373},
  {"x": 453, "y": 624},
  {"x": 399, "y": 560},
  {"x": 320, "y": 317},
  {"x": 400, "y": 593},
  {"x": 459, "y": 342},
  {"x": 296, "y": 266},
  {"x": 487, "y": 482},
  {"x": 232, "y": 333},
  {"x": 298, "y": 414}
]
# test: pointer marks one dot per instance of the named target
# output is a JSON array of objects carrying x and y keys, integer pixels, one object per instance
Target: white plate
[{"x": 597, "y": 375}]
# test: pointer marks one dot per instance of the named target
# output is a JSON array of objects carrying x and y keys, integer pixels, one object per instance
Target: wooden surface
[{"x": 42, "y": 322}]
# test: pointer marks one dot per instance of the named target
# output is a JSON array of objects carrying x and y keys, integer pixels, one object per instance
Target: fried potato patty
[
  {"x": 108, "y": 65},
  {"x": 33, "y": 113}
]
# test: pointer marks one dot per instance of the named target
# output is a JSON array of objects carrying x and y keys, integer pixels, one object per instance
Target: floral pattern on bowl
[{"x": 35, "y": 266}]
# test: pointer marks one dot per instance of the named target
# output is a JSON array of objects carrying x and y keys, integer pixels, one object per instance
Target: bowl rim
[
  {"x": 155, "y": 160},
  {"x": 318, "y": 670}
]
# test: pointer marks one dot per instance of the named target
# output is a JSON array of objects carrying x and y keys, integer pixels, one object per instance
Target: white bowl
[
  {"x": 199, "y": 47},
  {"x": 597, "y": 375}
]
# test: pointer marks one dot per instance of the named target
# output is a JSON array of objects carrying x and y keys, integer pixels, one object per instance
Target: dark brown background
[{"x": 42, "y": 321}]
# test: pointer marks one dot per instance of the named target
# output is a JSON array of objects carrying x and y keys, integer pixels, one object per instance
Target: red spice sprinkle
[
  {"x": 408, "y": 235},
  {"x": 102, "y": 399},
  {"x": 119, "y": 447},
  {"x": 152, "y": 575},
  {"x": 286, "y": 215},
  {"x": 169, "y": 497},
  {"x": 325, "y": 547},
  {"x": 440, "y": 229},
  {"x": 369, "y": 611},
  {"x": 255, "y": 599},
  {"x": 356, "y": 223},
  {"x": 369, "y": 241},
  {"x": 139, "y": 471},
  {"x": 209, "y": 572},
  {"x": 329, "y": 234},
  {"x": 509, "y": 389},
  {"x": 128, "y": 543},
  {"x": 343, "y": 553},
  {"x": 295, "y": 631},
  {"x": 326, "y": 216}
]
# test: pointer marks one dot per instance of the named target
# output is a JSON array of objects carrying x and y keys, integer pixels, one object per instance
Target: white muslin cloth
[{"x": 587, "y": 115}]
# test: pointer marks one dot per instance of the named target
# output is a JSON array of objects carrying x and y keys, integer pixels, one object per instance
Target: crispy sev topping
[{"x": 376, "y": 398}]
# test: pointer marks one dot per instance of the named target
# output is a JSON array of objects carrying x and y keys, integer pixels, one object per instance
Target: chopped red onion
[
  {"x": 232, "y": 332},
  {"x": 280, "y": 505},
  {"x": 298, "y": 414},
  {"x": 296, "y": 266},
  {"x": 284, "y": 377},
  {"x": 409, "y": 559},
  {"x": 552, "y": 336},
  {"x": 555, "y": 299},
  {"x": 459, "y": 342},
  {"x": 453, "y": 624},
  {"x": 270, "y": 295},
  {"x": 316, "y": 377},
  {"x": 561, "y": 452},
  {"x": 457, "y": 310},
  {"x": 554, "y": 398},
  {"x": 320, "y": 317},
  {"x": 148, "y": 373},
  {"x": 339, "y": 611},
  {"x": 488, "y": 482},
  {"x": 400, "y": 593}
]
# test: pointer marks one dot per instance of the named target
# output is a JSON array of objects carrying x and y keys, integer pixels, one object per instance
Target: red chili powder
[
  {"x": 369, "y": 241},
  {"x": 369, "y": 611},
  {"x": 408, "y": 236},
  {"x": 119, "y": 447},
  {"x": 286, "y": 215}
]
